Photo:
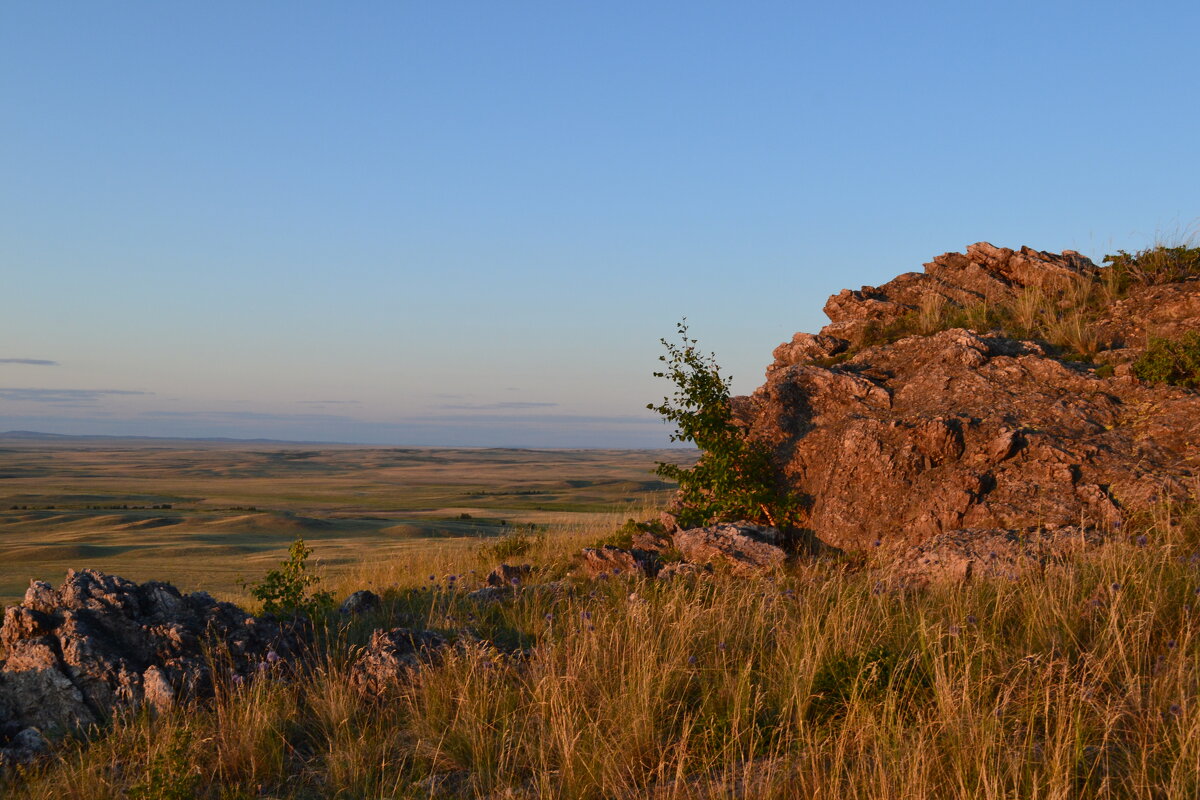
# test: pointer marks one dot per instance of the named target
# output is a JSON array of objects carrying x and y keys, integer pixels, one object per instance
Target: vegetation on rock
[{"x": 1059, "y": 313}]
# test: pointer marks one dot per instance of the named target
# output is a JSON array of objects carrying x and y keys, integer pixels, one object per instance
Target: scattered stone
[
  {"x": 490, "y": 594},
  {"x": 391, "y": 655},
  {"x": 508, "y": 575},
  {"x": 364, "y": 601},
  {"x": 682, "y": 569},
  {"x": 743, "y": 546},
  {"x": 653, "y": 541},
  {"x": 962, "y": 555},
  {"x": 21, "y": 747},
  {"x": 609, "y": 560}
]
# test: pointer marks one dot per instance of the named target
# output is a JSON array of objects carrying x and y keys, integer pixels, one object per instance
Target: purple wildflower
[
  {"x": 692, "y": 661},
  {"x": 971, "y": 620},
  {"x": 272, "y": 657},
  {"x": 1116, "y": 587}
]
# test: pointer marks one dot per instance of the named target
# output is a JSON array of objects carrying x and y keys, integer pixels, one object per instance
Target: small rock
[
  {"x": 361, "y": 602},
  {"x": 24, "y": 746},
  {"x": 390, "y": 656},
  {"x": 157, "y": 691},
  {"x": 595, "y": 561},
  {"x": 682, "y": 569},
  {"x": 743, "y": 546},
  {"x": 508, "y": 575}
]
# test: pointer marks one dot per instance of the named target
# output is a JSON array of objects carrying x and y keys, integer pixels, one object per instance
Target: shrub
[
  {"x": 1171, "y": 361},
  {"x": 517, "y": 543},
  {"x": 734, "y": 477},
  {"x": 1153, "y": 265},
  {"x": 623, "y": 536},
  {"x": 289, "y": 589}
]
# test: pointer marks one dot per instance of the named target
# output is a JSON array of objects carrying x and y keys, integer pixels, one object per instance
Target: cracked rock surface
[
  {"x": 71, "y": 656},
  {"x": 968, "y": 430}
]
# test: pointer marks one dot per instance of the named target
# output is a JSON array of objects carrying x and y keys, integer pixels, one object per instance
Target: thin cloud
[
  {"x": 328, "y": 402},
  {"x": 33, "y": 362},
  {"x": 243, "y": 416},
  {"x": 73, "y": 396},
  {"x": 510, "y": 406}
]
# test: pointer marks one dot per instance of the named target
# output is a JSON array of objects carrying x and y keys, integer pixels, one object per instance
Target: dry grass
[{"x": 815, "y": 682}]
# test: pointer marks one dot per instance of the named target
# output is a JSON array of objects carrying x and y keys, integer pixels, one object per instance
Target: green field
[{"x": 208, "y": 516}]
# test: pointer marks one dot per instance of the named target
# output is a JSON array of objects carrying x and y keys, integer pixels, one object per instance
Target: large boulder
[
  {"x": 70, "y": 656},
  {"x": 972, "y": 430}
]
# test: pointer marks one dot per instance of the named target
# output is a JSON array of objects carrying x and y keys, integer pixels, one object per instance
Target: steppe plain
[{"x": 214, "y": 515}]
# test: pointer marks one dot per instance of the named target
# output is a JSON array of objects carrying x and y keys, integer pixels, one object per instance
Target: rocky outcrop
[
  {"x": 70, "y": 656},
  {"x": 968, "y": 429}
]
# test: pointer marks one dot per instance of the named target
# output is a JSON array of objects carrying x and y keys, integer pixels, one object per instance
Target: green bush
[
  {"x": 1171, "y": 361},
  {"x": 289, "y": 590},
  {"x": 734, "y": 477}
]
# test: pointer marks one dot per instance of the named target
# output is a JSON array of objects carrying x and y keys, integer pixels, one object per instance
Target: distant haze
[{"x": 470, "y": 224}]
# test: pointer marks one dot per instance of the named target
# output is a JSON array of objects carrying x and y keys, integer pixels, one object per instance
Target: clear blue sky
[{"x": 470, "y": 222}]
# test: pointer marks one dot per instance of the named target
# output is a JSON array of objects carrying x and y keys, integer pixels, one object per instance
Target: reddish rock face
[{"x": 964, "y": 429}]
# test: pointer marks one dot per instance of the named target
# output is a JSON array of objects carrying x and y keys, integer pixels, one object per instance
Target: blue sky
[{"x": 470, "y": 223}]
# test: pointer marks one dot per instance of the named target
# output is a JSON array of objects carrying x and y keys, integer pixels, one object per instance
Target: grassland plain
[{"x": 210, "y": 515}]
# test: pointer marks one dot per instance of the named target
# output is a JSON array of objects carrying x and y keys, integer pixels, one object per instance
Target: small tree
[
  {"x": 734, "y": 477},
  {"x": 287, "y": 590}
]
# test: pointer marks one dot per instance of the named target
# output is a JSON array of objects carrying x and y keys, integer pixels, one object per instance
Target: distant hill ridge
[{"x": 66, "y": 437}]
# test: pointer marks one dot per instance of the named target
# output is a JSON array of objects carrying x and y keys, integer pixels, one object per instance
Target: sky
[{"x": 470, "y": 223}]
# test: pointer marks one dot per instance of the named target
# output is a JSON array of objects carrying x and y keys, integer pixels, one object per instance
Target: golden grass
[{"x": 816, "y": 682}]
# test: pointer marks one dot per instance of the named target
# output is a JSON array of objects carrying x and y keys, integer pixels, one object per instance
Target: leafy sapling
[
  {"x": 734, "y": 477},
  {"x": 290, "y": 589}
]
